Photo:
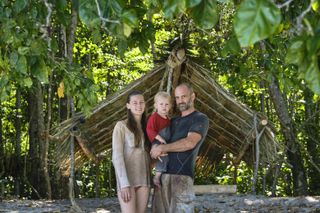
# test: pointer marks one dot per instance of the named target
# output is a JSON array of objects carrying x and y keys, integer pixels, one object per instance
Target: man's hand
[
  {"x": 125, "y": 194},
  {"x": 156, "y": 151}
]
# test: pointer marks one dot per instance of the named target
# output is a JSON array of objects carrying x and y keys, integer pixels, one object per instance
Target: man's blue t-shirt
[{"x": 183, "y": 163}]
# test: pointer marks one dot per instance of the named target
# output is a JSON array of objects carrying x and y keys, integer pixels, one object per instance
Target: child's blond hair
[{"x": 162, "y": 94}]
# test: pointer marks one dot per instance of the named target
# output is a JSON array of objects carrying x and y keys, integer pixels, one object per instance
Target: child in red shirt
[{"x": 156, "y": 122}]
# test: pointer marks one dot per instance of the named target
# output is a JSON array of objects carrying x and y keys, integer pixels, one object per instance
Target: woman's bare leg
[
  {"x": 129, "y": 207},
  {"x": 142, "y": 197}
]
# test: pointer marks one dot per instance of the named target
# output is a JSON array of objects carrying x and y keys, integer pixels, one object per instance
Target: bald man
[{"x": 184, "y": 137}]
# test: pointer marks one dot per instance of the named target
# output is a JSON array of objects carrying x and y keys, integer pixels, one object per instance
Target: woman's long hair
[{"x": 133, "y": 126}]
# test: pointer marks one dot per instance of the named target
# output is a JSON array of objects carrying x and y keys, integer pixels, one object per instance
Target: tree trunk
[
  {"x": 18, "y": 167},
  {"x": 293, "y": 149},
  {"x": 71, "y": 40},
  {"x": 36, "y": 128},
  {"x": 312, "y": 142},
  {"x": 46, "y": 145}
]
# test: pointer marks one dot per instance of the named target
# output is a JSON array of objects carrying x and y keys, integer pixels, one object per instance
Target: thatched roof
[{"x": 233, "y": 127}]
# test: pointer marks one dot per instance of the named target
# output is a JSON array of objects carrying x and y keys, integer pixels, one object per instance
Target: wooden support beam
[
  {"x": 211, "y": 189},
  {"x": 86, "y": 149}
]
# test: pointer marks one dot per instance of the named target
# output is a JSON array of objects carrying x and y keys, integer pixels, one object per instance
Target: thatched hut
[{"x": 233, "y": 128}]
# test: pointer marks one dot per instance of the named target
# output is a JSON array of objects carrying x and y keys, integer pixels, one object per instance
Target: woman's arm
[{"x": 118, "y": 140}]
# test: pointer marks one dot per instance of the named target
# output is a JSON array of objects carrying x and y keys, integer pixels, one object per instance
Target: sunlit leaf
[
  {"x": 316, "y": 6},
  {"x": 127, "y": 30},
  {"x": 61, "y": 90},
  {"x": 205, "y": 14},
  {"x": 27, "y": 82},
  {"x": 256, "y": 20}
]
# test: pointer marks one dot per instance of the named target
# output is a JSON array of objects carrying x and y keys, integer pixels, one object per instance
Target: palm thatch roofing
[{"x": 233, "y": 127}]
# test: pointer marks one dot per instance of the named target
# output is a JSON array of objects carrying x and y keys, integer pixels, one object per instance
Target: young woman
[{"x": 130, "y": 157}]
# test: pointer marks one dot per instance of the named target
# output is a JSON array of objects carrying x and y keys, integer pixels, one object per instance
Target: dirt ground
[{"x": 221, "y": 203}]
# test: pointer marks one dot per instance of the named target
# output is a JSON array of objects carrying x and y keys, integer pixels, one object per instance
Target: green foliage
[
  {"x": 303, "y": 52},
  {"x": 205, "y": 14},
  {"x": 256, "y": 20}
]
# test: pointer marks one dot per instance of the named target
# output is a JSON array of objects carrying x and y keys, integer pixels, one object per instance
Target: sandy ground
[{"x": 221, "y": 203}]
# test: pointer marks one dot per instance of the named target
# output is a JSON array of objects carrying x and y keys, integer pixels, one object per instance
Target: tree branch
[
  {"x": 285, "y": 4},
  {"x": 303, "y": 14},
  {"x": 101, "y": 16}
]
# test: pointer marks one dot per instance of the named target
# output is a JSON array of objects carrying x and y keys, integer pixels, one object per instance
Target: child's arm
[{"x": 160, "y": 139}]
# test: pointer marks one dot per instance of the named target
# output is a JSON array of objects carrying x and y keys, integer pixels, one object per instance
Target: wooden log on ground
[{"x": 211, "y": 189}]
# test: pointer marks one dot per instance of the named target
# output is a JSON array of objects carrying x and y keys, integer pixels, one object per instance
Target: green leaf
[
  {"x": 130, "y": 18},
  {"x": 296, "y": 53},
  {"x": 205, "y": 14},
  {"x": 144, "y": 46},
  {"x": 192, "y": 3},
  {"x": 40, "y": 71},
  {"x": 27, "y": 82},
  {"x": 172, "y": 7},
  {"x": 22, "y": 64},
  {"x": 127, "y": 30},
  {"x": 256, "y": 20},
  {"x": 116, "y": 5},
  {"x": 23, "y": 50},
  {"x": 231, "y": 47},
  {"x": 316, "y": 6},
  {"x": 38, "y": 47},
  {"x": 122, "y": 46},
  {"x": 19, "y": 5},
  {"x": 312, "y": 75},
  {"x": 14, "y": 58},
  {"x": 88, "y": 13}
]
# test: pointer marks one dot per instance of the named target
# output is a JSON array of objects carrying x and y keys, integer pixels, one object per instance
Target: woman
[{"x": 130, "y": 157}]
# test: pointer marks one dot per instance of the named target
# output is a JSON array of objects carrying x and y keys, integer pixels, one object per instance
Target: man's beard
[{"x": 185, "y": 106}]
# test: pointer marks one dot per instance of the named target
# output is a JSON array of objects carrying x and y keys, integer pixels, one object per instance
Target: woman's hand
[{"x": 125, "y": 194}]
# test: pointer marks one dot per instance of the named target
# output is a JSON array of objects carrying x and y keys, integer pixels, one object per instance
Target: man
[{"x": 184, "y": 137}]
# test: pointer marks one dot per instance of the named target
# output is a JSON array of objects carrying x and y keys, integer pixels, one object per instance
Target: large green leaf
[
  {"x": 256, "y": 20},
  {"x": 205, "y": 14}
]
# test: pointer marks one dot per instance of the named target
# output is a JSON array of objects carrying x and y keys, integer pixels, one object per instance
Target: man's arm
[{"x": 181, "y": 145}]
